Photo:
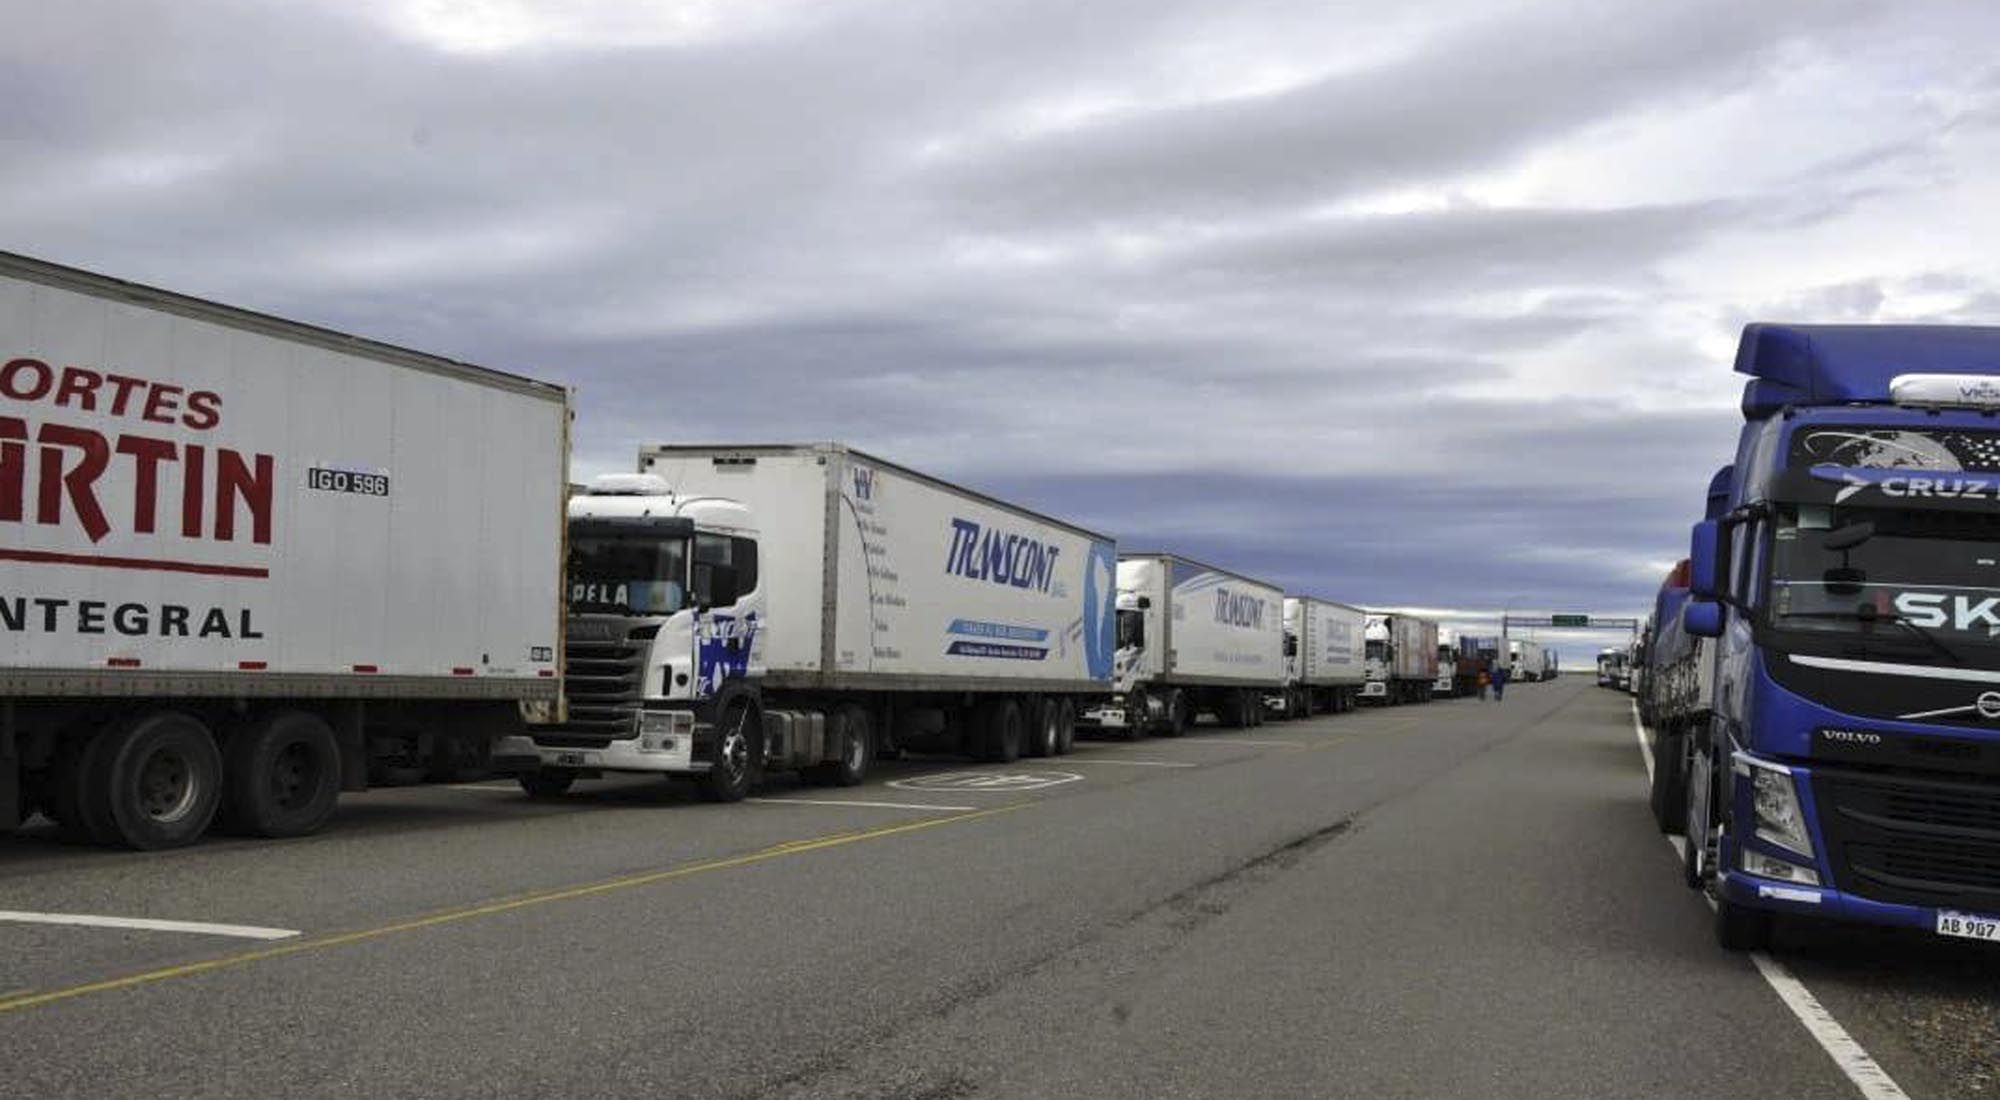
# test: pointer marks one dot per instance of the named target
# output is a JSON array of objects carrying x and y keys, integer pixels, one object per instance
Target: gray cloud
[{"x": 1125, "y": 260}]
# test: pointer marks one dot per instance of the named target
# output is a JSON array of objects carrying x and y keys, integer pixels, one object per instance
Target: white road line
[
  {"x": 1867, "y": 1075},
  {"x": 143, "y": 924},
  {"x": 867, "y": 805},
  {"x": 482, "y": 786},
  {"x": 1125, "y": 763}
]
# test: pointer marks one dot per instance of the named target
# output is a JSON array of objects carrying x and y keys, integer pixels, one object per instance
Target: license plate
[
  {"x": 570, "y": 759},
  {"x": 1968, "y": 926}
]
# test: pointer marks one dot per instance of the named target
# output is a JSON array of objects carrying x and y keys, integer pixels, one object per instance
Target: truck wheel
[
  {"x": 1253, "y": 705},
  {"x": 739, "y": 754},
  {"x": 856, "y": 753},
  {"x": 1003, "y": 732},
  {"x": 157, "y": 780},
  {"x": 1047, "y": 739},
  {"x": 283, "y": 775},
  {"x": 1065, "y": 726},
  {"x": 546, "y": 782},
  {"x": 1669, "y": 796},
  {"x": 68, "y": 789},
  {"x": 1738, "y": 928}
]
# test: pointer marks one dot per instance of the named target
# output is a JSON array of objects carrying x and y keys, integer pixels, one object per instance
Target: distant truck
[
  {"x": 246, "y": 559},
  {"x": 1610, "y": 666},
  {"x": 1324, "y": 661},
  {"x": 1402, "y": 656},
  {"x": 741, "y": 610},
  {"x": 1191, "y": 640},
  {"x": 1446, "y": 684},
  {"x": 1850, "y": 587},
  {"x": 1527, "y": 662}
]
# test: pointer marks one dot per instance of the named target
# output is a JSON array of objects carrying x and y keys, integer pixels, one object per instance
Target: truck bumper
[
  {"x": 1106, "y": 718},
  {"x": 1375, "y": 689},
  {"x": 1750, "y": 891},
  {"x": 666, "y": 743}
]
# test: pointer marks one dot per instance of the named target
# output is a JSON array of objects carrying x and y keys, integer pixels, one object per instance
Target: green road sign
[{"x": 1569, "y": 620}]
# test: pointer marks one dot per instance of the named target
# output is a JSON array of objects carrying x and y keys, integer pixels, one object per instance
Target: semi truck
[
  {"x": 245, "y": 557},
  {"x": 1850, "y": 588},
  {"x": 1610, "y": 667},
  {"x": 1402, "y": 655},
  {"x": 1192, "y": 639},
  {"x": 1323, "y": 658},
  {"x": 738, "y": 610},
  {"x": 1527, "y": 661}
]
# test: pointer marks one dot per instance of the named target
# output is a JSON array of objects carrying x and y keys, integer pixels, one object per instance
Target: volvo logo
[
  {"x": 1989, "y": 705},
  {"x": 1855, "y": 737}
]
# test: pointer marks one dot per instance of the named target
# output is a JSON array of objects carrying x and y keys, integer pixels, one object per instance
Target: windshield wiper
[{"x": 1921, "y": 633}]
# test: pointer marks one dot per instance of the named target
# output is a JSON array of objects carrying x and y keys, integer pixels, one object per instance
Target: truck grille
[
  {"x": 604, "y": 681},
  {"x": 1912, "y": 840}
]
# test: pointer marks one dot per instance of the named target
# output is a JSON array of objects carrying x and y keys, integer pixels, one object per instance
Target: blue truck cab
[{"x": 1850, "y": 767}]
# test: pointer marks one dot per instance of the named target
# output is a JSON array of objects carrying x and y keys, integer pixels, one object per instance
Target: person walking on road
[
  {"x": 1499, "y": 682},
  {"x": 1485, "y": 681}
]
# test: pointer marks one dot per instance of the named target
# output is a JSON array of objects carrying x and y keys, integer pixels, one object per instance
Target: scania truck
[
  {"x": 1324, "y": 667},
  {"x": 245, "y": 558},
  {"x": 1402, "y": 656},
  {"x": 1192, "y": 639},
  {"x": 742, "y": 609},
  {"x": 1851, "y": 766}
]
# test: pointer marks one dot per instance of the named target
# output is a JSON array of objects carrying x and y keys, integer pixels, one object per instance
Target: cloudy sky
[{"x": 1426, "y": 304}]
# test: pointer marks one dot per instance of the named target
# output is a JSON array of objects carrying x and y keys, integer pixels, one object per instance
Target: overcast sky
[{"x": 1428, "y": 304}]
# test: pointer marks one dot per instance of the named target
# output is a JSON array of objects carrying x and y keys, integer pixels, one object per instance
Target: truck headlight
[{"x": 1780, "y": 819}]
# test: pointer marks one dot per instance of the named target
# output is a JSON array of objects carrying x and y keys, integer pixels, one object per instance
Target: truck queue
[{"x": 334, "y": 559}]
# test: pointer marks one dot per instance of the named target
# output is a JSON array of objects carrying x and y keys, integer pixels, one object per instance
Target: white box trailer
[
  {"x": 1324, "y": 658},
  {"x": 736, "y": 609},
  {"x": 1528, "y": 662},
  {"x": 1192, "y": 639},
  {"x": 1402, "y": 658},
  {"x": 243, "y": 556}
]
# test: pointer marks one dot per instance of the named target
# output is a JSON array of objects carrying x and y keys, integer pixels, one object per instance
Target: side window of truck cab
[
  {"x": 1746, "y": 562},
  {"x": 725, "y": 569}
]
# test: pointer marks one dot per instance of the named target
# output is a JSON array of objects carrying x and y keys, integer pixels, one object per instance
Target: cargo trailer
[{"x": 245, "y": 559}]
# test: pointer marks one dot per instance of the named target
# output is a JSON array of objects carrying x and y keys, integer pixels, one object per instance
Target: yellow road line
[{"x": 15, "y": 1001}]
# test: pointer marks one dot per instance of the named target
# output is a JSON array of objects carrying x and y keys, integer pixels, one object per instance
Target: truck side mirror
[
  {"x": 1145, "y": 603},
  {"x": 1702, "y": 618},
  {"x": 1705, "y": 560}
]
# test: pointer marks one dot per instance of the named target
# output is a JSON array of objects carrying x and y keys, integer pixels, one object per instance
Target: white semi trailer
[
  {"x": 735, "y": 610},
  {"x": 1324, "y": 669},
  {"x": 1192, "y": 639},
  {"x": 242, "y": 557},
  {"x": 1527, "y": 661}
]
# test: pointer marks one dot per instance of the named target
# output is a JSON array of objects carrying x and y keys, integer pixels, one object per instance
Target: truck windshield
[
  {"x": 640, "y": 573},
  {"x": 1378, "y": 651},
  {"x": 1911, "y": 578},
  {"x": 1131, "y": 629}
]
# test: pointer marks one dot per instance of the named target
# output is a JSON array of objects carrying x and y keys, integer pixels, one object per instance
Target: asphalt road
[{"x": 1457, "y": 899}]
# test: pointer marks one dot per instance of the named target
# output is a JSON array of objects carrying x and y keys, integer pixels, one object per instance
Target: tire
[
  {"x": 1739, "y": 928},
  {"x": 283, "y": 775},
  {"x": 1698, "y": 819},
  {"x": 1066, "y": 726},
  {"x": 1002, "y": 731},
  {"x": 66, "y": 787},
  {"x": 1047, "y": 735},
  {"x": 857, "y": 751},
  {"x": 1135, "y": 717},
  {"x": 739, "y": 754},
  {"x": 546, "y": 782},
  {"x": 158, "y": 780},
  {"x": 1669, "y": 785}
]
